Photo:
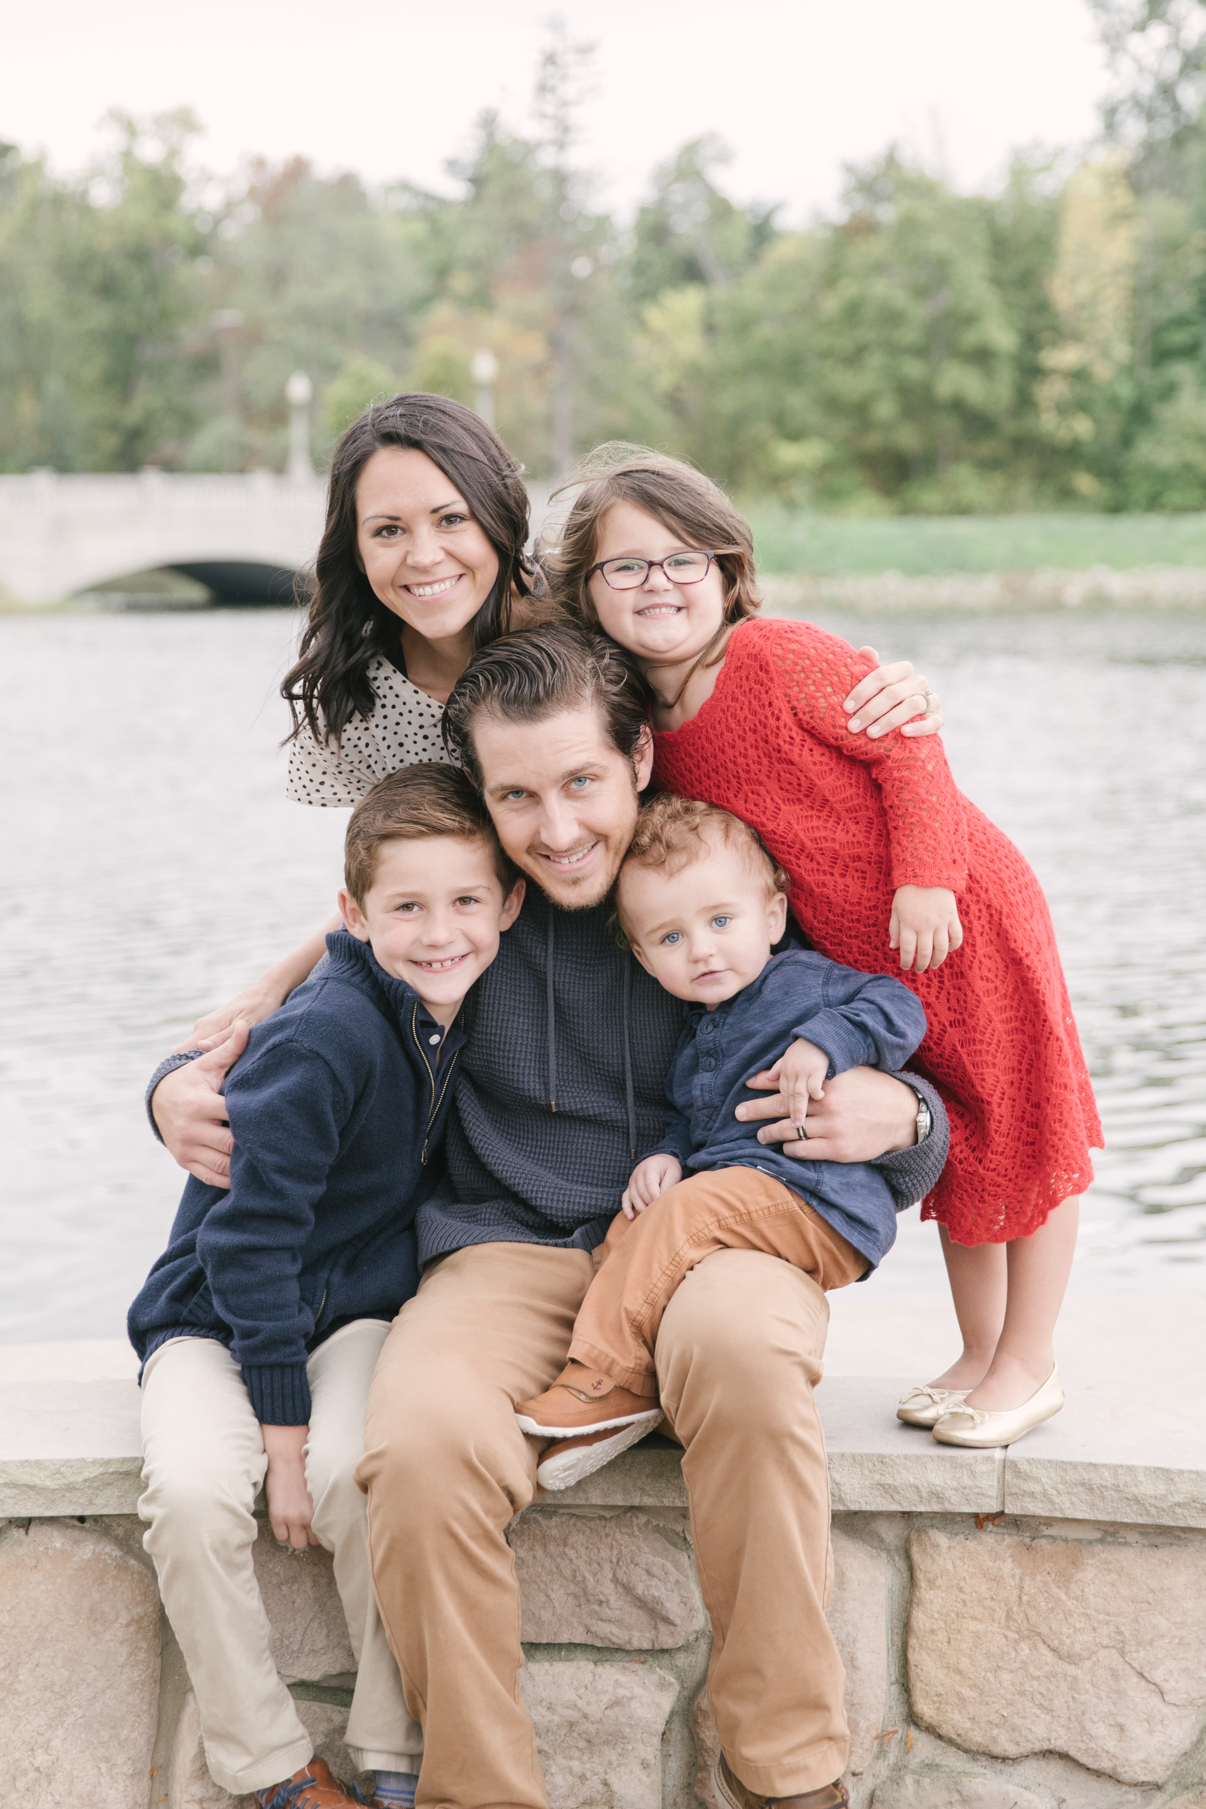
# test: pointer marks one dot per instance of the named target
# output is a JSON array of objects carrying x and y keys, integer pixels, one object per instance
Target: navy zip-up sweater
[
  {"x": 858, "y": 1020},
  {"x": 336, "y": 1107}
]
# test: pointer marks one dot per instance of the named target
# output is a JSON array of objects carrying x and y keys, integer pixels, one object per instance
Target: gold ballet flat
[
  {"x": 978, "y": 1428},
  {"x": 925, "y": 1406}
]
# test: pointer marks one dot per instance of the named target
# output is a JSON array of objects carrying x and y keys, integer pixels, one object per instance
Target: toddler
[{"x": 702, "y": 905}]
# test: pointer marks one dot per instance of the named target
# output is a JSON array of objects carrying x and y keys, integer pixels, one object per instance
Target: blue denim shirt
[{"x": 858, "y": 1019}]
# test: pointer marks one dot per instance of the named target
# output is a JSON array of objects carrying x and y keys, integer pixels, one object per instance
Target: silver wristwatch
[{"x": 925, "y": 1121}]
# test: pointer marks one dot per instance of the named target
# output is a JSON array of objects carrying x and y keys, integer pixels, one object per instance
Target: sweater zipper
[{"x": 436, "y": 1102}]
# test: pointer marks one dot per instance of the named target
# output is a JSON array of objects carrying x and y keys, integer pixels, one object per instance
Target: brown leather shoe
[
  {"x": 313, "y": 1787},
  {"x": 585, "y": 1400},
  {"x": 733, "y": 1793}
]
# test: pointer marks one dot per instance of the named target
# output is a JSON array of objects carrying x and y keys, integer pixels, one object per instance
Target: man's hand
[
  {"x": 925, "y": 926},
  {"x": 250, "y": 1007},
  {"x": 893, "y": 697},
  {"x": 290, "y": 1508},
  {"x": 648, "y": 1182},
  {"x": 864, "y": 1114},
  {"x": 191, "y": 1113}
]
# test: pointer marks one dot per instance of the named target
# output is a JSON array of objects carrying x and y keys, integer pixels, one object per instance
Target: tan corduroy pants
[
  {"x": 446, "y": 1469},
  {"x": 645, "y": 1259},
  {"x": 203, "y": 1467}
]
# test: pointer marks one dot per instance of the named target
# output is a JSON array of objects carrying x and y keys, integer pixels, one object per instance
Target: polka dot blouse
[{"x": 402, "y": 727}]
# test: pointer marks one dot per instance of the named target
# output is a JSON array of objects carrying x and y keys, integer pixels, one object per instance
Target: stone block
[
  {"x": 79, "y": 1669},
  {"x": 599, "y": 1731},
  {"x": 952, "y": 1790},
  {"x": 612, "y": 1581},
  {"x": 856, "y": 1615},
  {"x": 189, "y": 1784},
  {"x": 309, "y": 1632},
  {"x": 1094, "y": 1650},
  {"x": 327, "y": 1726},
  {"x": 707, "y": 1745}
]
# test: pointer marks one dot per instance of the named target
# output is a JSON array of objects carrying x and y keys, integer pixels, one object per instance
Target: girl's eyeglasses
[{"x": 630, "y": 574}]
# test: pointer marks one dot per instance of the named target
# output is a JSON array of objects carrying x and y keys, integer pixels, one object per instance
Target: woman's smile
[{"x": 437, "y": 587}]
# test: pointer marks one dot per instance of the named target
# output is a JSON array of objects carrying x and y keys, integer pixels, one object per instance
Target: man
[{"x": 562, "y": 1087}]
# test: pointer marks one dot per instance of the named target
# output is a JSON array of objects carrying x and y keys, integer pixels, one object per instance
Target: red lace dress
[{"x": 850, "y": 820}]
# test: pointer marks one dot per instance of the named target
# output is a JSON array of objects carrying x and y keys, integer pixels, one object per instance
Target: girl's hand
[
  {"x": 290, "y": 1508},
  {"x": 648, "y": 1182},
  {"x": 892, "y": 697},
  {"x": 925, "y": 926}
]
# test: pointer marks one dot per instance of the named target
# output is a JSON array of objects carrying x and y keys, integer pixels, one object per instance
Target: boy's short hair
[
  {"x": 670, "y": 833},
  {"x": 414, "y": 804}
]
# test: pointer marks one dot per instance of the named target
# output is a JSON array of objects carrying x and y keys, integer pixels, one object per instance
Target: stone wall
[{"x": 993, "y": 1662}]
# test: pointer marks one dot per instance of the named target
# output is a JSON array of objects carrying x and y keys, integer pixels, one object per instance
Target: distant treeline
[{"x": 1040, "y": 346}]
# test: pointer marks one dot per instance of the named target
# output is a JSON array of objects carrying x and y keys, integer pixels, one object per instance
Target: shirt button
[
  {"x": 708, "y": 1062},
  {"x": 433, "y": 1039}
]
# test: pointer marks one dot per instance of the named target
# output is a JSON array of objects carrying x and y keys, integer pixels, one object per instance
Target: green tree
[{"x": 688, "y": 232}]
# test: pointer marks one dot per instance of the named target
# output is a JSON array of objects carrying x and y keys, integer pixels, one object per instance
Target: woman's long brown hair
[{"x": 348, "y": 627}]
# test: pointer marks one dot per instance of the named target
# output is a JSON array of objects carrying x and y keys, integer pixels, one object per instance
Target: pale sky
[{"x": 390, "y": 88}]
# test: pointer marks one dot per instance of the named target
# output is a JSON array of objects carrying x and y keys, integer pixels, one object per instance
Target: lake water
[{"x": 152, "y": 865}]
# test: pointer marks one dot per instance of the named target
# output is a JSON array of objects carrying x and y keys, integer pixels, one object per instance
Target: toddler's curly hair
[{"x": 671, "y": 833}]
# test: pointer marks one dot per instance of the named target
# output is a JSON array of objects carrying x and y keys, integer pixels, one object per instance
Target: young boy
[
  {"x": 260, "y": 1325},
  {"x": 702, "y": 904}
]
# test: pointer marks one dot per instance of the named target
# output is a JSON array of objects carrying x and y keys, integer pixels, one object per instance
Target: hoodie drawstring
[
  {"x": 552, "y": 1016},
  {"x": 628, "y": 1060}
]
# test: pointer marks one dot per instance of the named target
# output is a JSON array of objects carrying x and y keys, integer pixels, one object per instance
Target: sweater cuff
[
  {"x": 912, "y": 1173},
  {"x": 167, "y": 1066},
  {"x": 279, "y": 1393}
]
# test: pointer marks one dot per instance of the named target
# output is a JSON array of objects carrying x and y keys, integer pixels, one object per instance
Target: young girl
[{"x": 754, "y": 717}]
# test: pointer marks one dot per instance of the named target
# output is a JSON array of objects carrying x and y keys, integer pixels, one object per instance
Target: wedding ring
[
  {"x": 927, "y": 695},
  {"x": 802, "y": 1132}
]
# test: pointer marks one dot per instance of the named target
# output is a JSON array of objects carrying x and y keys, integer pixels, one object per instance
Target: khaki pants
[
  {"x": 203, "y": 1467},
  {"x": 646, "y": 1258},
  {"x": 446, "y": 1469}
]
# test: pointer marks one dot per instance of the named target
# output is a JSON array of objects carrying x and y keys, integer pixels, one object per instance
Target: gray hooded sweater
[{"x": 563, "y": 1088}]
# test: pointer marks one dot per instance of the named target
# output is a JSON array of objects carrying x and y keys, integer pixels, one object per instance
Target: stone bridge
[{"x": 243, "y": 536}]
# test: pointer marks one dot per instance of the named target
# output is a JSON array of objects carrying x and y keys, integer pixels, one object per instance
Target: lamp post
[
  {"x": 485, "y": 370},
  {"x": 299, "y": 393}
]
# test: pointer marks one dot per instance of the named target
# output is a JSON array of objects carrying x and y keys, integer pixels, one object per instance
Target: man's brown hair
[
  {"x": 674, "y": 493},
  {"x": 671, "y": 834},
  {"x": 413, "y": 804}
]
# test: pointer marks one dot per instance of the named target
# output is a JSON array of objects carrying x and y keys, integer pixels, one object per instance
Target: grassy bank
[{"x": 920, "y": 545}]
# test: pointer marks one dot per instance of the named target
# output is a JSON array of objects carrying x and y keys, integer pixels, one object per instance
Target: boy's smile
[{"x": 433, "y": 916}]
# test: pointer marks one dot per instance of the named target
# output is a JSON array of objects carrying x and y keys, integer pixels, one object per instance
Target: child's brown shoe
[
  {"x": 730, "y": 1791},
  {"x": 313, "y": 1787},
  {"x": 570, "y": 1459},
  {"x": 585, "y": 1400}
]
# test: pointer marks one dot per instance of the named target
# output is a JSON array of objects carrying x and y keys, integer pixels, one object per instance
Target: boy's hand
[
  {"x": 289, "y": 1506},
  {"x": 925, "y": 926},
  {"x": 799, "y": 1074},
  {"x": 890, "y": 697},
  {"x": 648, "y": 1182}
]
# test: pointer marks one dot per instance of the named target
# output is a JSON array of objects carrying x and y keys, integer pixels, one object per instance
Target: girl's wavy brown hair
[{"x": 674, "y": 493}]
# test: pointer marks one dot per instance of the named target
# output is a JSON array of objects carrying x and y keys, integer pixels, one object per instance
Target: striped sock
[{"x": 396, "y": 1788}]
